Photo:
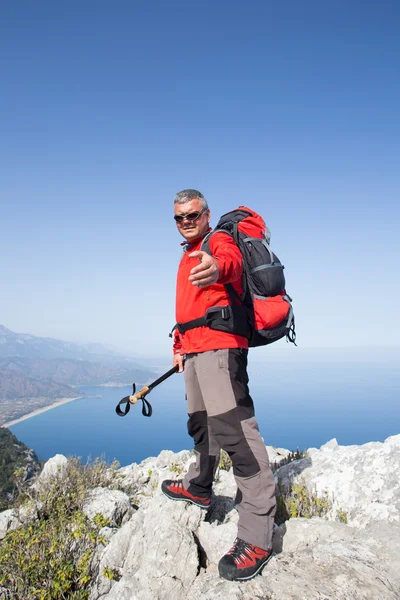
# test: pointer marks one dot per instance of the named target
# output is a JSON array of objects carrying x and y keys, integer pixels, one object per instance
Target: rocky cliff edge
[{"x": 157, "y": 549}]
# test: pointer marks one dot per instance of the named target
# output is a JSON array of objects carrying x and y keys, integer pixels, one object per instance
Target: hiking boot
[
  {"x": 243, "y": 561},
  {"x": 175, "y": 491}
]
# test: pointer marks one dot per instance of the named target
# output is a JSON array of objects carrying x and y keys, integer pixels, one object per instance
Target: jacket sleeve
[
  {"x": 177, "y": 344},
  {"x": 228, "y": 257}
]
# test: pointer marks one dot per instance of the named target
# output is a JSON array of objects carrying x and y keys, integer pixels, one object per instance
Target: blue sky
[{"x": 108, "y": 109}]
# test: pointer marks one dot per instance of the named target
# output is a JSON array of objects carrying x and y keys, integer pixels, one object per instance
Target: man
[{"x": 221, "y": 411}]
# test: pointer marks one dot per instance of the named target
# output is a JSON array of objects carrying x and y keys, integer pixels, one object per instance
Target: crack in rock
[{"x": 201, "y": 554}]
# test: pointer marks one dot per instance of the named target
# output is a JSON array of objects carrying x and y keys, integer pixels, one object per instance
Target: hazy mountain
[
  {"x": 76, "y": 372},
  {"x": 66, "y": 362},
  {"x": 14, "y": 385},
  {"x": 31, "y": 346},
  {"x": 36, "y": 371},
  {"x": 20, "y": 395}
]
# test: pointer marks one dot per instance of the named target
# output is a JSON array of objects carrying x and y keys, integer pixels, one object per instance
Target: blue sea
[{"x": 299, "y": 404}]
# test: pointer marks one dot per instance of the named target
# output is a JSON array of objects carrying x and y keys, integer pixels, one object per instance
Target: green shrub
[
  {"x": 300, "y": 502},
  {"x": 175, "y": 468},
  {"x": 51, "y": 557},
  {"x": 303, "y": 503},
  {"x": 110, "y": 573},
  {"x": 341, "y": 515},
  {"x": 225, "y": 462},
  {"x": 13, "y": 455}
]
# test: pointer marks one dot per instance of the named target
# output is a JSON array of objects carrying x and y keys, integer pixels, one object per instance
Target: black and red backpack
[{"x": 264, "y": 310}]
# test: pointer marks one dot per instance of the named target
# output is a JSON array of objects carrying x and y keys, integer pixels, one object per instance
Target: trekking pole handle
[{"x": 140, "y": 394}]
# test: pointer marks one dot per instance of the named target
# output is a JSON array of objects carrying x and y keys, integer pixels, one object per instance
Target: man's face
[{"x": 191, "y": 228}]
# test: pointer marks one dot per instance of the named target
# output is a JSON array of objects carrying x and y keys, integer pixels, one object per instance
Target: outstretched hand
[{"x": 207, "y": 272}]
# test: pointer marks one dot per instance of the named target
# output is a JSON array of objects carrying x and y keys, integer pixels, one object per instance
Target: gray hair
[{"x": 186, "y": 195}]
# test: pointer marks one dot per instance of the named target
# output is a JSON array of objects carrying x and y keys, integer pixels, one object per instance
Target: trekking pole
[{"x": 147, "y": 410}]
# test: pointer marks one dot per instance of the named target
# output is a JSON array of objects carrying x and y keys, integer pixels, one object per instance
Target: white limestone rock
[
  {"x": 277, "y": 455},
  {"x": 113, "y": 505},
  {"x": 52, "y": 468},
  {"x": 320, "y": 560},
  {"x": 171, "y": 549},
  {"x": 216, "y": 539},
  {"x": 141, "y": 480},
  {"x": 8, "y": 521},
  {"x": 13, "y": 518},
  {"x": 361, "y": 480},
  {"x": 224, "y": 484},
  {"x": 155, "y": 553}
]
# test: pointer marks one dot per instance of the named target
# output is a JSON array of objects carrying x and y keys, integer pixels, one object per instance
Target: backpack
[{"x": 264, "y": 306}]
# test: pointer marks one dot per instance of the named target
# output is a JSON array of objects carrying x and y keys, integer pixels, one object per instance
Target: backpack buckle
[{"x": 225, "y": 314}]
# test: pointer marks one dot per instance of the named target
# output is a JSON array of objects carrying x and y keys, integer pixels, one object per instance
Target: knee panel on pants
[
  {"x": 229, "y": 434},
  {"x": 198, "y": 430}
]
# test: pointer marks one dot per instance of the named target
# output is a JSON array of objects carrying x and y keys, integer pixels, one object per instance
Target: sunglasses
[{"x": 191, "y": 217}]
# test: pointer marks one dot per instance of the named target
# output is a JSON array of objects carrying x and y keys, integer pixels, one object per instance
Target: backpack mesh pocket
[{"x": 264, "y": 267}]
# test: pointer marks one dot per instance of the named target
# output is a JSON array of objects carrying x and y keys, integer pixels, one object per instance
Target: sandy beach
[{"x": 38, "y": 411}]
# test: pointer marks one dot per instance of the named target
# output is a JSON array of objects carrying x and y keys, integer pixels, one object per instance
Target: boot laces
[{"x": 241, "y": 550}]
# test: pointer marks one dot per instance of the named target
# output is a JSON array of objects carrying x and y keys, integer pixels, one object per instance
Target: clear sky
[{"x": 109, "y": 108}]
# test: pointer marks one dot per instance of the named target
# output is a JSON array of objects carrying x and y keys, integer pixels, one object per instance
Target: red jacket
[{"x": 192, "y": 302}]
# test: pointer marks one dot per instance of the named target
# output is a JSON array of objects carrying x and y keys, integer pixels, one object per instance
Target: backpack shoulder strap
[{"x": 205, "y": 245}]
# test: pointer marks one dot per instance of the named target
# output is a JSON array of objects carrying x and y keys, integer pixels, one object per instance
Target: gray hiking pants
[{"x": 221, "y": 415}]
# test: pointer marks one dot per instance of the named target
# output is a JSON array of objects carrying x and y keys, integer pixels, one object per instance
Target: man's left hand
[{"x": 207, "y": 272}]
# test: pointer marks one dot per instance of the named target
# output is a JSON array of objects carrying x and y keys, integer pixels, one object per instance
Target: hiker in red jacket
[{"x": 221, "y": 411}]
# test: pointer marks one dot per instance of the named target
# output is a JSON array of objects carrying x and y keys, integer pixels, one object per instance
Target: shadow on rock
[
  {"x": 277, "y": 538},
  {"x": 286, "y": 474},
  {"x": 220, "y": 507}
]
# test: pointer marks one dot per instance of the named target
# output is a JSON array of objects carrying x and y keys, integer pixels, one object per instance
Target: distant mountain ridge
[
  {"x": 15, "y": 385},
  {"x": 31, "y": 346},
  {"x": 67, "y": 362},
  {"x": 75, "y": 372},
  {"x": 36, "y": 371}
]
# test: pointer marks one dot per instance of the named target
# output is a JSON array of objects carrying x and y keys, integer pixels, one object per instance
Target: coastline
[{"x": 38, "y": 411}]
